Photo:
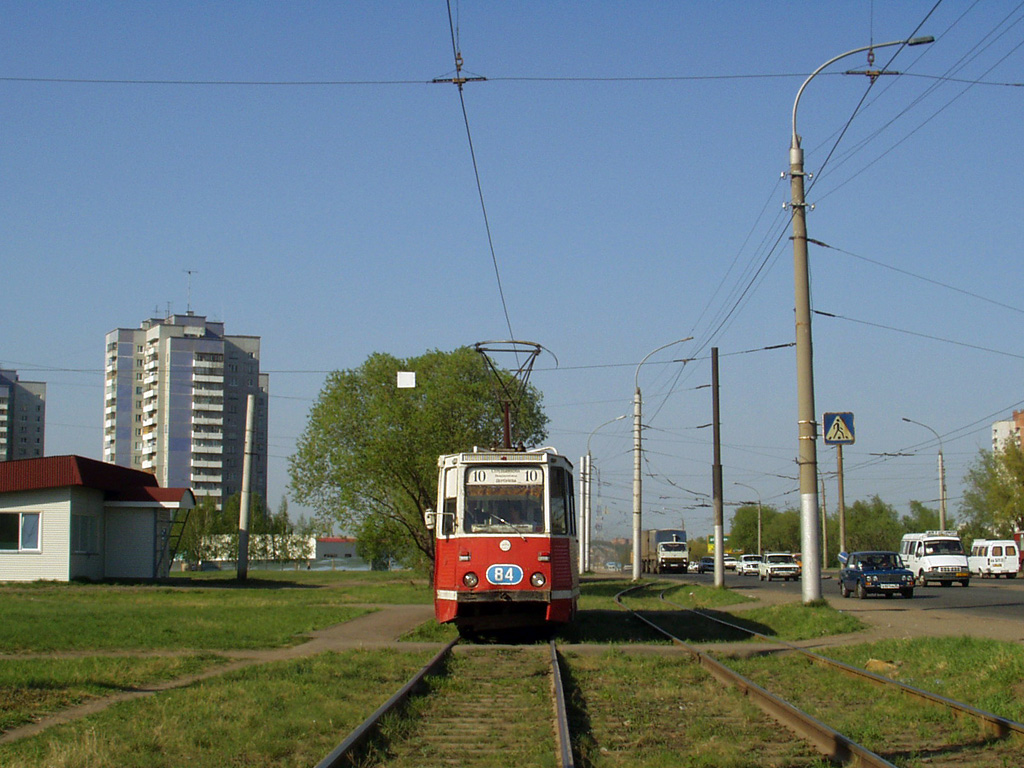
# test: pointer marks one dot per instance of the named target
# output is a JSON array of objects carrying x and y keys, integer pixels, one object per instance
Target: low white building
[{"x": 69, "y": 517}]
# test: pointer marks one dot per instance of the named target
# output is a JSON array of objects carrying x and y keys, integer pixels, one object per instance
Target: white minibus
[{"x": 935, "y": 556}]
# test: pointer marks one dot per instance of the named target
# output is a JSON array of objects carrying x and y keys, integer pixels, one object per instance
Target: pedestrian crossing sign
[{"x": 838, "y": 428}]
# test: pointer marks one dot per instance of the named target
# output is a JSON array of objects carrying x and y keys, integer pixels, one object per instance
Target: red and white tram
[{"x": 506, "y": 556}]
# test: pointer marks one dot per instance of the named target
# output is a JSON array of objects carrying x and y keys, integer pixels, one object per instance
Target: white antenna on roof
[{"x": 190, "y": 272}]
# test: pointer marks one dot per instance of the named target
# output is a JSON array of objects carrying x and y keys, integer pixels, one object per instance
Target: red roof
[{"x": 63, "y": 471}]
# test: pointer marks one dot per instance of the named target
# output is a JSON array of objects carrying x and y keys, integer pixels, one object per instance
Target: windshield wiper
[{"x": 501, "y": 519}]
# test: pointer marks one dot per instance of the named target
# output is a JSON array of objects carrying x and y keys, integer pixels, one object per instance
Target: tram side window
[
  {"x": 448, "y": 518},
  {"x": 451, "y": 492},
  {"x": 560, "y": 504}
]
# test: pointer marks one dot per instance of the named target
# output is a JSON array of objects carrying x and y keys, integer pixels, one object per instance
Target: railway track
[
  {"x": 994, "y": 740},
  {"x": 506, "y": 705},
  {"x": 483, "y": 706}
]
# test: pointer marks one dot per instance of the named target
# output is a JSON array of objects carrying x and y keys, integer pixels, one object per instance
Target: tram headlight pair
[
  {"x": 538, "y": 579},
  {"x": 470, "y": 579}
]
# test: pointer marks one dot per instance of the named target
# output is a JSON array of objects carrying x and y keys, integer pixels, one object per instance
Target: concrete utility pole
[
  {"x": 586, "y": 481},
  {"x": 716, "y": 475},
  {"x": 243, "y": 506},
  {"x": 942, "y": 474},
  {"x": 806, "y": 426},
  {"x": 637, "y": 447}
]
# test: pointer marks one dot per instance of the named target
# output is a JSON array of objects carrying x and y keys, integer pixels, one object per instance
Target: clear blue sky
[{"x": 630, "y": 158}]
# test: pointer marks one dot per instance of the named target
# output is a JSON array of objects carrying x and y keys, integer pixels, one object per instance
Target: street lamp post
[
  {"x": 806, "y": 425},
  {"x": 585, "y": 523},
  {"x": 637, "y": 485},
  {"x": 942, "y": 474},
  {"x": 758, "y": 513}
]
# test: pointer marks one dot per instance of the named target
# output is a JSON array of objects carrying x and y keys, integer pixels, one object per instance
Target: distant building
[
  {"x": 175, "y": 404},
  {"x": 22, "y": 417},
  {"x": 1003, "y": 431},
  {"x": 68, "y": 517}
]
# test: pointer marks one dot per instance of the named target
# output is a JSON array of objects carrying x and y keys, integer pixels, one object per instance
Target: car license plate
[{"x": 889, "y": 586}]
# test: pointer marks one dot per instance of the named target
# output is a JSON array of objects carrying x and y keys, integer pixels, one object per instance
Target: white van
[
  {"x": 994, "y": 557},
  {"x": 935, "y": 556}
]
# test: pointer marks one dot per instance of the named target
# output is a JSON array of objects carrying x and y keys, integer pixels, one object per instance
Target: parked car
[
  {"x": 879, "y": 572},
  {"x": 730, "y": 562},
  {"x": 706, "y": 565},
  {"x": 778, "y": 565},
  {"x": 748, "y": 565}
]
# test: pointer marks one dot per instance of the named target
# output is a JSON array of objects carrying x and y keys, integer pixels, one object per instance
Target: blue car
[{"x": 874, "y": 573}]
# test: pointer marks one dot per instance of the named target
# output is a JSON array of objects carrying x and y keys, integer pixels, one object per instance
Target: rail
[
  {"x": 345, "y": 753},
  {"x": 994, "y": 725},
  {"x": 826, "y": 740},
  {"x": 341, "y": 754}
]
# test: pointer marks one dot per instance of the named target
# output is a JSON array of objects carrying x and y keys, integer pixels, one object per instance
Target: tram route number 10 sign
[{"x": 505, "y": 476}]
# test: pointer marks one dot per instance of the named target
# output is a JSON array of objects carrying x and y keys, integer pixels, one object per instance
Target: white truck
[
  {"x": 663, "y": 550},
  {"x": 935, "y": 557},
  {"x": 778, "y": 565}
]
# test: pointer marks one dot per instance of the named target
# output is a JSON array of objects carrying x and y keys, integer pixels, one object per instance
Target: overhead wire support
[{"x": 460, "y": 81}]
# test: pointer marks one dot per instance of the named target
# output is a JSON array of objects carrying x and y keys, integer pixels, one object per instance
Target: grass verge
[
  {"x": 34, "y": 687},
  {"x": 283, "y": 714}
]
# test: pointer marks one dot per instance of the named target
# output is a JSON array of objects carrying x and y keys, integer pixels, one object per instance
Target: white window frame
[{"x": 38, "y": 546}]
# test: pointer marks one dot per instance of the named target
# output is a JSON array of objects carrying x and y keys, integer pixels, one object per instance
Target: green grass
[
  {"x": 664, "y": 711},
  {"x": 198, "y": 611},
  {"x": 795, "y": 621},
  {"x": 986, "y": 674},
  {"x": 34, "y": 687},
  {"x": 387, "y": 587},
  {"x": 283, "y": 714},
  {"x": 788, "y": 621},
  {"x": 982, "y": 673}
]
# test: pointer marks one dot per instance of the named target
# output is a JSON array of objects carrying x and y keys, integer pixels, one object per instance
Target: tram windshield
[
  {"x": 504, "y": 509},
  {"x": 505, "y": 500}
]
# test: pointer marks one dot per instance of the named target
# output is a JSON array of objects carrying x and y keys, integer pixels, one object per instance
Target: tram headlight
[
  {"x": 470, "y": 579},
  {"x": 538, "y": 579}
]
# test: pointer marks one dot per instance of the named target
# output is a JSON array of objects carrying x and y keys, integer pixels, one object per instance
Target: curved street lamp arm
[
  {"x": 911, "y": 41},
  {"x": 636, "y": 378}
]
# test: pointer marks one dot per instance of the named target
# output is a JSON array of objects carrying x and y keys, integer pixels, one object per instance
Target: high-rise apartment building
[
  {"x": 1004, "y": 431},
  {"x": 175, "y": 404},
  {"x": 22, "y": 417}
]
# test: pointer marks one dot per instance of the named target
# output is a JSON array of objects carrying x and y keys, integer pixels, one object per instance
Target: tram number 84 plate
[{"x": 504, "y": 574}]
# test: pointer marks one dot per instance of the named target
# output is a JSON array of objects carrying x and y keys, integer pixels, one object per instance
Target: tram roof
[{"x": 535, "y": 456}]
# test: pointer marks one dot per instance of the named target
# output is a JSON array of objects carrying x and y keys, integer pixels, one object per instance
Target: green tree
[
  {"x": 780, "y": 531},
  {"x": 872, "y": 524},
  {"x": 743, "y": 527},
  {"x": 993, "y": 500},
  {"x": 922, "y": 518},
  {"x": 367, "y": 458}
]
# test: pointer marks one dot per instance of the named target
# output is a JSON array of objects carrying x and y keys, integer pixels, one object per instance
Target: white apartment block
[
  {"x": 175, "y": 404},
  {"x": 1003, "y": 431},
  {"x": 22, "y": 417}
]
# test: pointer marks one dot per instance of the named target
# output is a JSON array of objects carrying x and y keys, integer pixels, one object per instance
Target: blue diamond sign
[{"x": 838, "y": 428}]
